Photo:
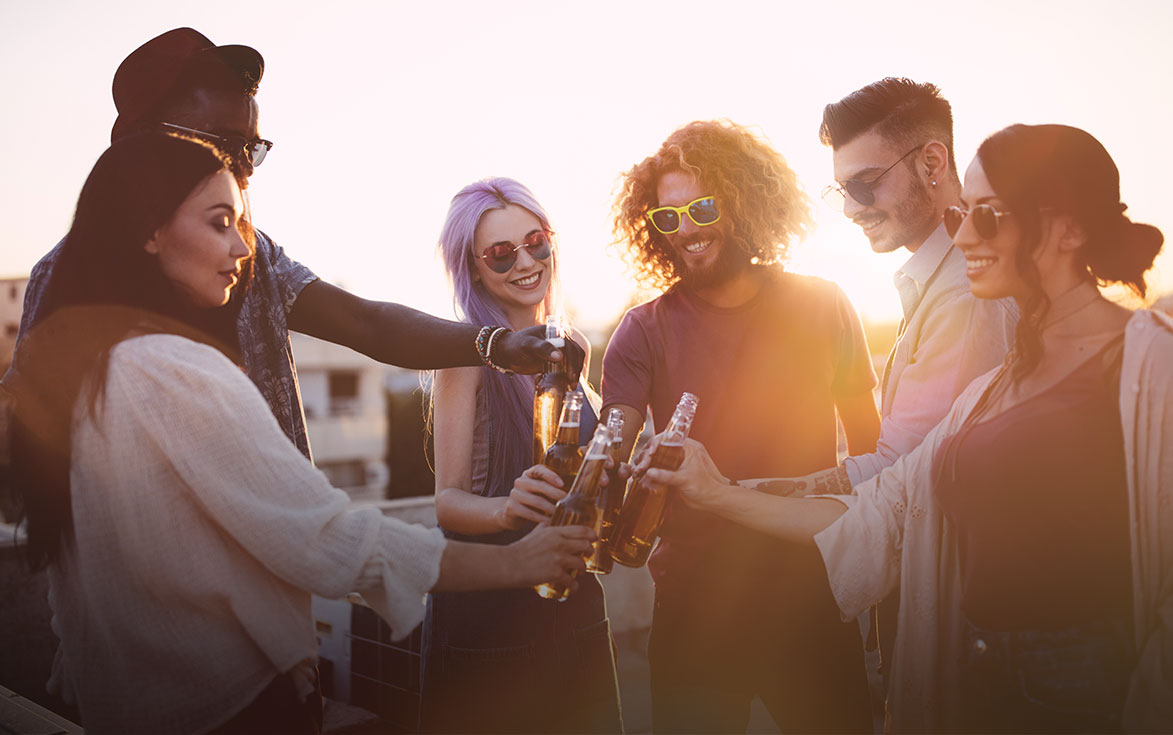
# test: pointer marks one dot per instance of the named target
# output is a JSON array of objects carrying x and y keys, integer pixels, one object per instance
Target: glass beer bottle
[
  {"x": 564, "y": 456},
  {"x": 580, "y": 507},
  {"x": 610, "y": 498},
  {"x": 552, "y": 386},
  {"x": 639, "y": 521}
]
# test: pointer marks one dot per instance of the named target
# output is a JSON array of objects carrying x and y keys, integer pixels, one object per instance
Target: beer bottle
[
  {"x": 551, "y": 388},
  {"x": 639, "y": 521},
  {"x": 564, "y": 456},
  {"x": 611, "y": 497},
  {"x": 580, "y": 507}
]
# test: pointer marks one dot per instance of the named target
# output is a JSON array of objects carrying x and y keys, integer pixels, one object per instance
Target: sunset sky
[{"x": 381, "y": 111}]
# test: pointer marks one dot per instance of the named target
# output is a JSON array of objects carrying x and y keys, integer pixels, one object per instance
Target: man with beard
[
  {"x": 895, "y": 173},
  {"x": 771, "y": 355}
]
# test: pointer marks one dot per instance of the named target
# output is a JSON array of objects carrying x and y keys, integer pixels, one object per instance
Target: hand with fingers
[
  {"x": 532, "y": 498},
  {"x": 528, "y": 352},
  {"x": 552, "y": 554},
  {"x": 698, "y": 481}
]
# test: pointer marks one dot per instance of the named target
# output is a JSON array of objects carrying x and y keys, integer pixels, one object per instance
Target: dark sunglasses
[
  {"x": 861, "y": 191},
  {"x": 985, "y": 220},
  {"x": 234, "y": 145},
  {"x": 702, "y": 212},
  {"x": 501, "y": 256}
]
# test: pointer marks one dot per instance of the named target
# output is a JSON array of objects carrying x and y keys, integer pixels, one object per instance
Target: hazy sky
[{"x": 381, "y": 111}]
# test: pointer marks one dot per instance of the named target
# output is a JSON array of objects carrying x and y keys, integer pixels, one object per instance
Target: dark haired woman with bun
[{"x": 1032, "y": 532}]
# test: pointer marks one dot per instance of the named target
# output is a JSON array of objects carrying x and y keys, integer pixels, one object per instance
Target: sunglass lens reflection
[
  {"x": 666, "y": 221},
  {"x": 703, "y": 212}
]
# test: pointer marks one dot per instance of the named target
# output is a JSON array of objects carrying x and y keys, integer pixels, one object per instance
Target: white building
[{"x": 346, "y": 415}]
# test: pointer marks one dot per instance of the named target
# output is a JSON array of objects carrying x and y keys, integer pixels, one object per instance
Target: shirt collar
[{"x": 923, "y": 263}]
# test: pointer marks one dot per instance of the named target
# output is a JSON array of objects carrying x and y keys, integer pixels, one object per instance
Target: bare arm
[
  {"x": 545, "y": 554},
  {"x": 833, "y": 481},
  {"x": 633, "y": 424},
  {"x": 701, "y": 485},
  {"x": 399, "y": 335},
  {"x": 458, "y": 508},
  {"x": 861, "y": 421}
]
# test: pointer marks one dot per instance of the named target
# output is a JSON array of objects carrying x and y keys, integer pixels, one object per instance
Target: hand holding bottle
[
  {"x": 698, "y": 481},
  {"x": 551, "y": 554},
  {"x": 532, "y": 498}
]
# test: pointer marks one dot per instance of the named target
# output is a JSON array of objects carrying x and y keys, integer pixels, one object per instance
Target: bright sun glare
[{"x": 380, "y": 112}]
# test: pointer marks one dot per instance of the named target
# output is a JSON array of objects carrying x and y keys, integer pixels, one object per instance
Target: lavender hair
[{"x": 509, "y": 397}]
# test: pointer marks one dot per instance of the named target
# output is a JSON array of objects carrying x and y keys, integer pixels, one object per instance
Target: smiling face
[
  {"x": 523, "y": 287},
  {"x": 704, "y": 255},
  {"x": 903, "y": 214},
  {"x": 989, "y": 263},
  {"x": 200, "y": 249}
]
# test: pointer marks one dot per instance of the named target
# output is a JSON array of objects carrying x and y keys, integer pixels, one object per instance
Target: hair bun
[{"x": 1127, "y": 253}]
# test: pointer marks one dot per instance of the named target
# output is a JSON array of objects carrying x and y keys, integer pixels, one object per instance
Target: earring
[{"x": 934, "y": 183}]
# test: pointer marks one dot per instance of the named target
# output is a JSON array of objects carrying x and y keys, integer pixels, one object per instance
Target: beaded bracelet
[
  {"x": 488, "y": 356},
  {"x": 482, "y": 343}
]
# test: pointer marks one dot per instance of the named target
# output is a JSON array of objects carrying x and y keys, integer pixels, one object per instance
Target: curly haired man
[{"x": 709, "y": 219}]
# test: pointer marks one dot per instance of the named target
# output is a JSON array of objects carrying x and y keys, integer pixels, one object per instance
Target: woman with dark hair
[
  {"x": 183, "y": 532},
  {"x": 506, "y": 660},
  {"x": 1028, "y": 533}
]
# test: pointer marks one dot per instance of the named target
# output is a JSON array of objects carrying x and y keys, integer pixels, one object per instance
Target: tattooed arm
[
  {"x": 702, "y": 486},
  {"x": 833, "y": 481}
]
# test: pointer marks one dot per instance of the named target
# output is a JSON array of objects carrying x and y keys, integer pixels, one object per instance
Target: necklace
[{"x": 1070, "y": 303}]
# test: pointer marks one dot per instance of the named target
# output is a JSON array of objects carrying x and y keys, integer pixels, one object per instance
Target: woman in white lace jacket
[
  {"x": 1031, "y": 533},
  {"x": 183, "y": 532}
]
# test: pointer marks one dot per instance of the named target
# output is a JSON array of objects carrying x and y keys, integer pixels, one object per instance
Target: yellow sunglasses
[{"x": 703, "y": 212}]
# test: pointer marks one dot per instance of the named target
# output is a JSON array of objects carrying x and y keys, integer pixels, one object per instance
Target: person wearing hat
[{"x": 183, "y": 83}]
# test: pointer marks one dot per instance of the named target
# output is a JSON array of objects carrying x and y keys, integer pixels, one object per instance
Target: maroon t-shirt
[{"x": 767, "y": 373}]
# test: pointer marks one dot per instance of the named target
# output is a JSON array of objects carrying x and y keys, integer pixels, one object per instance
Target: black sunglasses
[
  {"x": 985, "y": 220},
  {"x": 234, "y": 145},
  {"x": 861, "y": 191},
  {"x": 501, "y": 256}
]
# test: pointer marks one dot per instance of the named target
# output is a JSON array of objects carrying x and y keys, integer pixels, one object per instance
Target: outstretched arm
[
  {"x": 399, "y": 335},
  {"x": 702, "y": 486}
]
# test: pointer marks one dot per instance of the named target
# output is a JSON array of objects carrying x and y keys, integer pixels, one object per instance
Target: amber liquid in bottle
[
  {"x": 639, "y": 525},
  {"x": 551, "y": 389},
  {"x": 610, "y": 498},
  {"x": 581, "y": 506},
  {"x": 565, "y": 456},
  {"x": 639, "y": 521}
]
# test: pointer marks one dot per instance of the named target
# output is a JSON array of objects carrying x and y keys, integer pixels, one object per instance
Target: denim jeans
[{"x": 1068, "y": 680}]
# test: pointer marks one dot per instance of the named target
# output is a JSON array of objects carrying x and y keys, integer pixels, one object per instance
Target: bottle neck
[{"x": 567, "y": 434}]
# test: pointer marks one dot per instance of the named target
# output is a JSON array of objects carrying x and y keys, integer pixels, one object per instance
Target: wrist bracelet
[
  {"x": 482, "y": 343},
  {"x": 488, "y": 357}
]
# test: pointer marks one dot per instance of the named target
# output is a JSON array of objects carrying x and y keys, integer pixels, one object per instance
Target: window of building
[{"x": 343, "y": 386}]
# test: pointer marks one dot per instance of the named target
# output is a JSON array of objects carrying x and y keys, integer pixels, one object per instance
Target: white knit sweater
[{"x": 200, "y": 534}]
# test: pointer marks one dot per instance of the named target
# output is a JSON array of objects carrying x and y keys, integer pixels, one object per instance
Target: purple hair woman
[{"x": 509, "y": 661}]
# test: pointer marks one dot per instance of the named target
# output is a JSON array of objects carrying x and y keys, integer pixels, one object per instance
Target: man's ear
[
  {"x": 935, "y": 159},
  {"x": 152, "y": 245}
]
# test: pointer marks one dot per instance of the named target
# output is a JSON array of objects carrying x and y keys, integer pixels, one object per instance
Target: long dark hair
[
  {"x": 1064, "y": 169},
  {"x": 104, "y": 288}
]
